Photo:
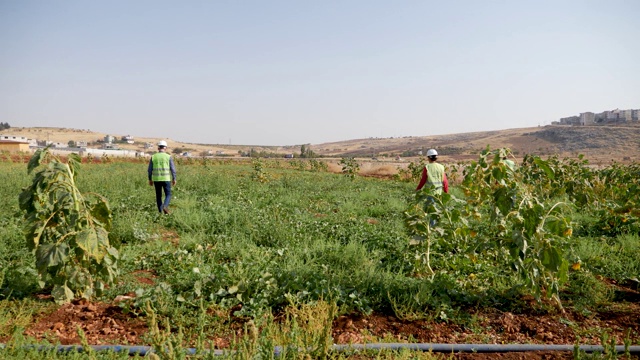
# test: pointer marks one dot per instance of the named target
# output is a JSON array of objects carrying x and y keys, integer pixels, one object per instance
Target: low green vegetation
[{"x": 262, "y": 239}]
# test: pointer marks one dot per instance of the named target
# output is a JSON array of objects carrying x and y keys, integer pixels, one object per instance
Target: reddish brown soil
[
  {"x": 496, "y": 327},
  {"x": 145, "y": 277},
  {"x": 102, "y": 324},
  {"x": 109, "y": 324}
]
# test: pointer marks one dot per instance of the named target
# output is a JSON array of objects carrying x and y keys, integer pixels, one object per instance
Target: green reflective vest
[
  {"x": 161, "y": 169},
  {"x": 435, "y": 176}
]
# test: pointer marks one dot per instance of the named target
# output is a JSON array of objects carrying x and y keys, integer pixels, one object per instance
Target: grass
[
  {"x": 299, "y": 238},
  {"x": 19, "y": 314},
  {"x": 615, "y": 258}
]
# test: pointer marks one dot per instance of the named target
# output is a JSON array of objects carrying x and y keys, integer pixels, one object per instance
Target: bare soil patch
[{"x": 102, "y": 323}]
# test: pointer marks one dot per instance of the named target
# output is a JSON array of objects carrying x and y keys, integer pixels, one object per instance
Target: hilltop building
[
  {"x": 571, "y": 120},
  {"x": 605, "y": 117},
  {"x": 587, "y": 118}
]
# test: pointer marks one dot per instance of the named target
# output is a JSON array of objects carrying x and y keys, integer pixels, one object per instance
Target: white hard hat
[
  {"x": 432, "y": 152},
  {"x": 162, "y": 143}
]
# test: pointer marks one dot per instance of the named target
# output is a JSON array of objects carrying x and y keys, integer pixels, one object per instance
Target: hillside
[{"x": 601, "y": 144}]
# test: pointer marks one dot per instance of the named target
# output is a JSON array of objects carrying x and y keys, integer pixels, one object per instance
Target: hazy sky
[{"x": 292, "y": 72}]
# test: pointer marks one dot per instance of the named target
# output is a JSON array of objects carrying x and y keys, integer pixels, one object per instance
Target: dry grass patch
[
  {"x": 369, "y": 169},
  {"x": 334, "y": 168}
]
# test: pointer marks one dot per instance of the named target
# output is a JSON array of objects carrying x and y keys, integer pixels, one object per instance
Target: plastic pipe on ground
[{"x": 481, "y": 348}]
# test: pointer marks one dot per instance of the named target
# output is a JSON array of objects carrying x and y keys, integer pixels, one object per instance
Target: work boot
[{"x": 165, "y": 211}]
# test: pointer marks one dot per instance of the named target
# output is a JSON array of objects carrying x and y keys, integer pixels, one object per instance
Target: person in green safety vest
[
  {"x": 433, "y": 174},
  {"x": 162, "y": 174}
]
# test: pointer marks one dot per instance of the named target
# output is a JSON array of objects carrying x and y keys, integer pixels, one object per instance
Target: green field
[{"x": 262, "y": 239}]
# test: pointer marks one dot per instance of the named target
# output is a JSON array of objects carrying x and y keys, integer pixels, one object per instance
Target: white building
[
  {"x": 612, "y": 114},
  {"x": 20, "y": 139},
  {"x": 608, "y": 116},
  {"x": 626, "y": 115},
  {"x": 587, "y": 118}
]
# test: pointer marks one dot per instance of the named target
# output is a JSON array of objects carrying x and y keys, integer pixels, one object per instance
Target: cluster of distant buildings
[
  {"x": 12, "y": 143},
  {"x": 609, "y": 116},
  {"x": 109, "y": 145}
]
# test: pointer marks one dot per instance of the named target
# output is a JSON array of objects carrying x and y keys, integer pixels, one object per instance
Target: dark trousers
[{"x": 160, "y": 187}]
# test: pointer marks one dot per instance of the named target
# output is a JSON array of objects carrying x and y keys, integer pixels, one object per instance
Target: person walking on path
[
  {"x": 433, "y": 174},
  {"x": 162, "y": 174}
]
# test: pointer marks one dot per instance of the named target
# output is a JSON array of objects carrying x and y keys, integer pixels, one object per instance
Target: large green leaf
[
  {"x": 551, "y": 258},
  {"x": 33, "y": 233},
  {"x": 113, "y": 252},
  {"x": 61, "y": 167},
  {"x": 25, "y": 198},
  {"x": 48, "y": 255},
  {"x": 103, "y": 242},
  {"x": 100, "y": 211},
  {"x": 503, "y": 200},
  {"x": 497, "y": 173},
  {"x": 87, "y": 240},
  {"x": 545, "y": 167},
  {"x": 79, "y": 278},
  {"x": 556, "y": 226},
  {"x": 62, "y": 294},
  {"x": 36, "y": 159}
]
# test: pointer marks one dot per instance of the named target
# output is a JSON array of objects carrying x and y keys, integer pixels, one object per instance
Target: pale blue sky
[{"x": 293, "y": 72}]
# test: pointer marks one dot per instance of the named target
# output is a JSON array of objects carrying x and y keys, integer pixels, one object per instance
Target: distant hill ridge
[{"x": 602, "y": 143}]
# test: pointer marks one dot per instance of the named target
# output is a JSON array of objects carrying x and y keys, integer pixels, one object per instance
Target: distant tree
[
  {"x": 71, "y": 144},
  {"x": 4, "y": 126},
  {"x": 306, "y": 152}
]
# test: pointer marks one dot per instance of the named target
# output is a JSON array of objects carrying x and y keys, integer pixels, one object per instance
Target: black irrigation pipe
[
  {"x": 483, "y": 348},
  {"x": 440, "y": 348}
]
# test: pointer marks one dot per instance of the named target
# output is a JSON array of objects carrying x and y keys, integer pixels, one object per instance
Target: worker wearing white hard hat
[
  {"x": 162, "y": 174},
  {"x": 433, "y": 174}
]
